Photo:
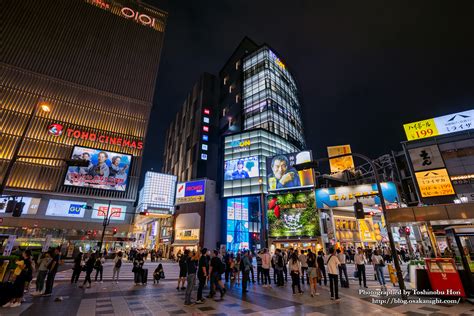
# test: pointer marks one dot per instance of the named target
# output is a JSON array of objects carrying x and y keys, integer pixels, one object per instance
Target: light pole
[
  {"x": 314, "y": 164},
  {"x": 105, "y": 223},
  {"x": 40, "y": 105},
  {"x": 263, "y": 231}
]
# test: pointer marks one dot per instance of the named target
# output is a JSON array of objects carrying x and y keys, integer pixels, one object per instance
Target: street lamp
[
  {"x": 314, "y": 164},
  {"x": 45, "y": 107}
]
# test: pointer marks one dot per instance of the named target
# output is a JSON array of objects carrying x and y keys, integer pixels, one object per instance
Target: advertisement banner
[
  {"x": 106, "y": 170},
  {"x": 346, "y": 196},
  {"x": 65, "y": 208},
  {"x": 341, "y": 163},
  {"x": 366, "y": 227},
  {"x": 242, "y": 168},
  {"x": 190, "y": 192},
  {"x": 187, "y": 234},
  {"x": 237, "y": 224},
  {"x": 117, "y": 212},
  {"x": 9, "y": 245},
  {"x": 457, "y": 122},
  {"x": 292, "y": 215},
  {"x": 426, "y": 157},
  {"x": 282, "y": 176},
  {"x": 30, "y": 208},
  {"x": 434, "y": 183}
]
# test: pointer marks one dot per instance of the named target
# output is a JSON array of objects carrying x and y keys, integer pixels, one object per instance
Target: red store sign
[{"x": 94, "y": 137}]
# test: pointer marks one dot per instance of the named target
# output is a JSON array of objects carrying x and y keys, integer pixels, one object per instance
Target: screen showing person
[
  {"x": 242, "y": 168},
  {"x": 283, "y": 175},
  {"x": 240, "y": 172},
  {"x": 101, "y": 168}
]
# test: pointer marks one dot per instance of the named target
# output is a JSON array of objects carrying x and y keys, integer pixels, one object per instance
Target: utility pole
[{"x": 105, "y": 223}]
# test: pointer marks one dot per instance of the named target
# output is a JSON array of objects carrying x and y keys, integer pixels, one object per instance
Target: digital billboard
[
  {"x": 242, "y": 168},
  {"x": 65, "y": 208},
  {"x": 117, "y": 212},
  {"x": 106, "y": 170},
  {"x": 292, "y": 215},
  {"x": 190, "y": 192},
  {"x": 237, "y": 224},
  {"x": 282, "y": 176},
  {"x": 434, "y": 183},
  {"x": 341, "y": 163}
]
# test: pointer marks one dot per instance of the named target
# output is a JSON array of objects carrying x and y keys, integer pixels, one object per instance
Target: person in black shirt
[
  {"x": 215, "y": 270},
  {"x": 52, "y": 270},
  {"x": 183, "y": 269},
  {"x": 203, "y": 275},
  {"x": 76, "y": 270},
  {"x": 321, "y": 267},
  {"x": 191, "y": 266}
]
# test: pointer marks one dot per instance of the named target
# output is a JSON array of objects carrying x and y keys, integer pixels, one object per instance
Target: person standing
[
  {"x": 246, "y": 268},
  {"x": 99, "y": 267},
  {"x": 117, "y": 265},
  {"x": 279, "y": 266},
  {"x": 341, "y": 256},
  {"x": 215, "y": 270},
  {"x": 228, "y": 269},
  {"x": 236, "y": 269},
  {"x": 182, "y": 269},
  {"x": 137, "y": 269},
  {"x": 77, "y": 268},
  {"x": 23, "y": 274},
  {"x": 304, "y": 266},
  {"x": 285, "y": 256},
  {"x": 43, "y": 263},
  {"x": 259, "y": 268},
  {"x": 52, "y": 270},
  {"x": 203, "y": 275},
  {"x": 294, "y": 265},
  {"x": 320, "y": 260},
  {"x": 250, "y": 256},
  {"x": 360, "y": 261},
  {"x": 379, "y": 264},
  {"x": 89, "y": 267},
  {"x": 266, "y": 263},
  {"x": 312, "y": 272},
  {"x": 191, "y": 268},
  {"x": 333, "y": 268}
]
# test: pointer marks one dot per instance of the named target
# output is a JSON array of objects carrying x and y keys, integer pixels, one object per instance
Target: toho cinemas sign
[{"x": 57, "y": 130}]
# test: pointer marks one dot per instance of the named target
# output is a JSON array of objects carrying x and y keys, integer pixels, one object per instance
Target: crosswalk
[{"x": 171, "y": 270}]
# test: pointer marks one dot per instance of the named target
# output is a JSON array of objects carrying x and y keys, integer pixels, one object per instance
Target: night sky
[{"x": 363, "y": 67}]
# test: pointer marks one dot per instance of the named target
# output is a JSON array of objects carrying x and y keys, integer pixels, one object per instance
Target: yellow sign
[
  {"x": 366, "y": 227},
  {"x": 434, "y": 183},
  {"x": 341, "y": 163},
  {"x": 421, "y": 129},
  {"x": 190, "y": 199}
]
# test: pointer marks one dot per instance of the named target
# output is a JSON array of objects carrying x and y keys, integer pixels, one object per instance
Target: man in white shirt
[
  {"x": 342, "y": 268},
  {"x": 266, "y": 263},
  {"x": 304, "y": 266},
  {"x": 333, "y": 269},
  {"x": 360, "y": 261}
]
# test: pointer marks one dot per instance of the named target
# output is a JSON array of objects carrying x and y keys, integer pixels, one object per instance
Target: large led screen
[
  {"x": 242, "y": 168},
  {"x": 281, "y": 175},
  {"x": 237, "y": 224},
  {"x": 106, "y": 170},
  {"x": 292, "y": 215}
]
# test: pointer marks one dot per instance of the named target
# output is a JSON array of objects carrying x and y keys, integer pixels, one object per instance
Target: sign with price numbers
[
  {"x": 457, "y": 122},
  {"x": 434, "y": 183}
]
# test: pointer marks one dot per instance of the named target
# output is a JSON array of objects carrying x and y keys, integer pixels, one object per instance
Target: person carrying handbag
[
  {"x": 333, "y": 270},
  {"x": 379, "y": 264},
  {"x": 360, "y": 261}
]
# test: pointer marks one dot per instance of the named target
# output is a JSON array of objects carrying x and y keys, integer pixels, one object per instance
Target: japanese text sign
[
  {"x": 434, "y": 183},
  {"x": 426, "y": 158}
]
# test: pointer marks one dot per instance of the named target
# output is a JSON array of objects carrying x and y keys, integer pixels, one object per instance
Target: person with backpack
[
  {"x": 333, "y": 270},
  {"x": 379, "y": 264},
  {"x": 117, "y": 265},
  {"x": 216, "y": 269},
  {"x": 246, "y": 267},
  {"x": 182, "y": 269},
  {"x": 99, "y": 267}
]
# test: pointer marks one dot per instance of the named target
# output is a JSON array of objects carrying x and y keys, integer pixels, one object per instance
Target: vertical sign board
[
  {"x": 341, "y": 163},
  {"x": 9, "y": 246},
  {"x": 434, "y": 183},
  {"x": 426, "y": 158}
]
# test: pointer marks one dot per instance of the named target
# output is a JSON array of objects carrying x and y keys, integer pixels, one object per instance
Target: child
[{"x": 158, "y": 274}]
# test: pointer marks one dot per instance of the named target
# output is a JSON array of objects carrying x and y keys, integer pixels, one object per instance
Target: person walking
[
  {"x": 182, "y": 269},
  {"x": 266, "y": 264},
  {"x": 203, "y": 275},
  {"x": 379, "y": 264},
  {"x": 99, "y": 267},
  {"x": 333, "y": 269},
  {"x": 191, "y": 268},
  {"x": 89, "y": 267},
  {"x": 313, "y": 272},
  {"x": 294, "y": 265},
  {"x": 304, "y": 266},
  {"x": 246, "y": 268},
  {"x": 117, "y": 265},
  {"x": 42, "y": 264},
  {"x": 77, "y": 268},
  {"x": 52, "y": 270},
  {"x": 320, "y": 261},
  {"x": 360, "y": 261},
  {"x": 215, "y": 270},
  {"x": 341, "y": 256}
]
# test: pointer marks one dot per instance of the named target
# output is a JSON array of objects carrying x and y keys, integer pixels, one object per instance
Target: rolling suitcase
[{"x": 144, "y": 275}]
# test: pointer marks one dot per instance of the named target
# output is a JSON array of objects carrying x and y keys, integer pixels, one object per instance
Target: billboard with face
[
  {"x": 281, "y": 175},
  {"x": 242, "y": 168},
  {"x": 106, "y": 170}
]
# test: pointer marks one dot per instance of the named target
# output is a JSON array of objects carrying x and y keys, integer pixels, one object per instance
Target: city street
[{"x": 108, "y": 298}]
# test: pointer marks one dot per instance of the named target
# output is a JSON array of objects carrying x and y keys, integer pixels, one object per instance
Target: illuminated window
[
  {"x": 226, "y": 79},
  {"x": 237, "y": 65},
  {"x": 204, "y": 156},
  {"x": 204, "y": 146},
  {"x": 205, "y": 128},
  {"x": 237, "y": 98},
  {"x": 205, "y": 119}
]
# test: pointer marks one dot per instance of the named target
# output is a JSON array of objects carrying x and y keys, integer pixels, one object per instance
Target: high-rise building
[
  {"x": 92, "y": 64},
  {"x": 192, "y": 137}
]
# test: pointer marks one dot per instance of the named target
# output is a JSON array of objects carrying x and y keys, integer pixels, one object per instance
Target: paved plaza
[{"x": 125, "y": 298}]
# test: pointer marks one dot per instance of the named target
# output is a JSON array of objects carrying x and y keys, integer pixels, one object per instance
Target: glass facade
[
  {"x": 270, "y": 97},
  {"x": 158, "y": 193},
  {"x": 243, "y": 223},
  {"x": 256, "y": 143}
]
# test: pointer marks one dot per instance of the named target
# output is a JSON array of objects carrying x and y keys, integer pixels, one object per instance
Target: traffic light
[
  {"x": 10, "y": 206},
  {"x": 407, "y": 231},
  {"x": 144, "y": 213},
  {"x": 114, "y": 231},
  {"x": 18, "y": 209},
  {"x": 359, "y": 210}
]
